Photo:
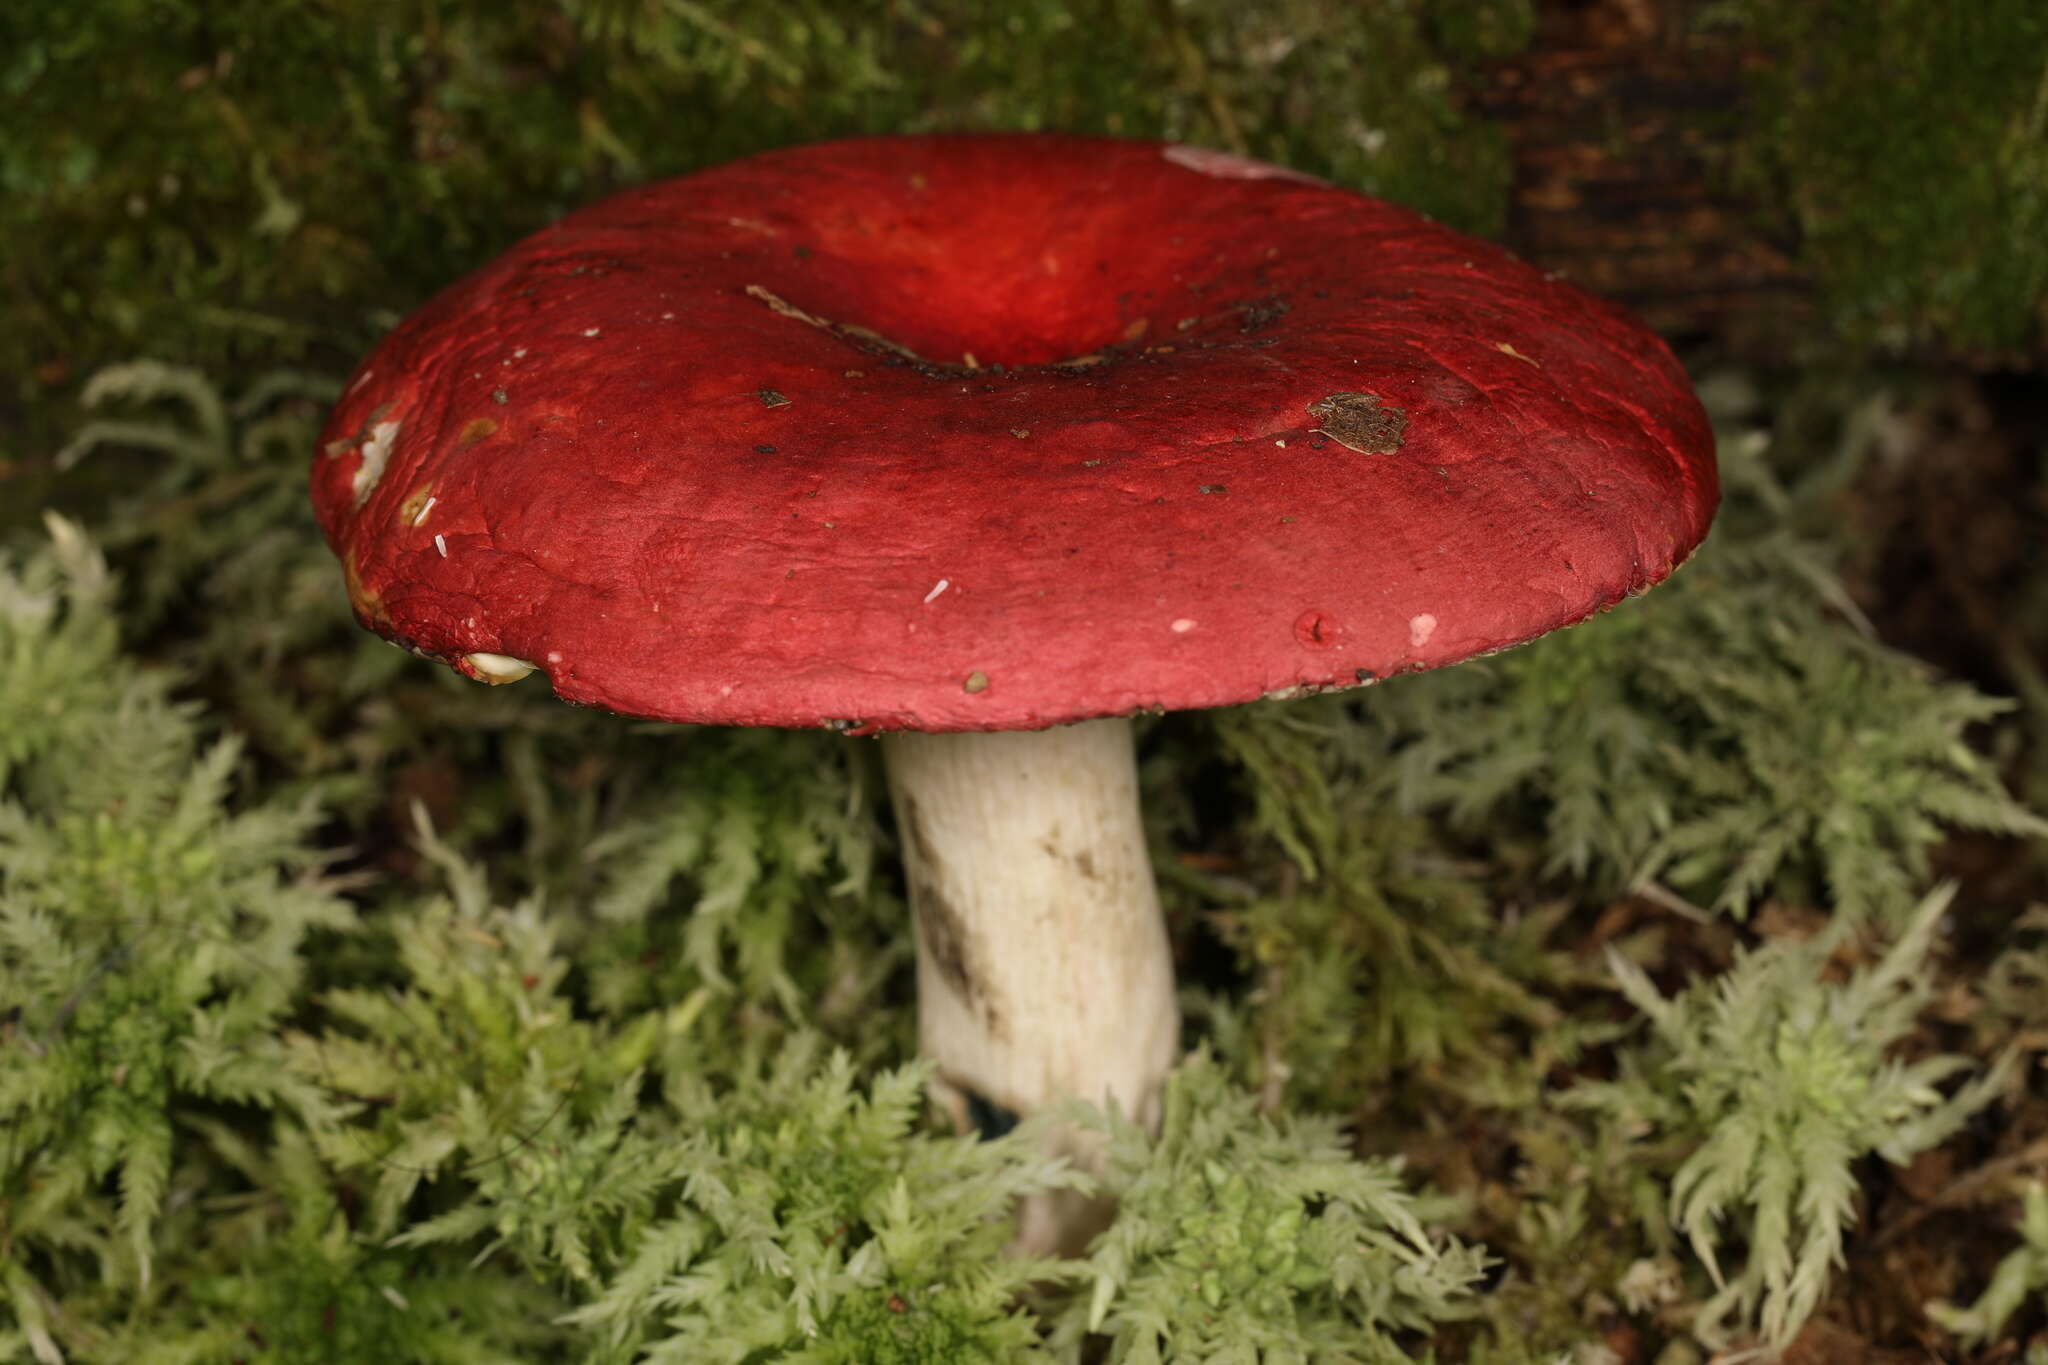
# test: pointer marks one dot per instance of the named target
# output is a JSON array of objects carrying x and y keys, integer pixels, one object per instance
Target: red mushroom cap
[{"x": 996, "y": 432}]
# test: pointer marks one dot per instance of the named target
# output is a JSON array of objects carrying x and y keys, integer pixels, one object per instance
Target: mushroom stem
[{"x": 1043, "y": 968}]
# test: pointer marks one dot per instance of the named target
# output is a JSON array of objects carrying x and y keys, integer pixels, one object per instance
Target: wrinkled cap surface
[{"x": 997, "y": 432}]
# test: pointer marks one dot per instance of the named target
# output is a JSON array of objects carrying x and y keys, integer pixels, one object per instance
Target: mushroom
[{"x": 985, "y": 444}]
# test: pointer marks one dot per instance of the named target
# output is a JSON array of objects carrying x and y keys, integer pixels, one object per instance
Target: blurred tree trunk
[{"x": 1622, "y": 116}]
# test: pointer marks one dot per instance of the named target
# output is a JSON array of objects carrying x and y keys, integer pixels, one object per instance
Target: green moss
[
  {"x": 254, "y": 180},
  {"x": 1905, "y": 142}
]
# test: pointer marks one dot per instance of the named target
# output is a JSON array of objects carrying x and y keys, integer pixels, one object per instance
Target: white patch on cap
[
  {"x": 441, "y": 544},
  {"x": 376, "y": 451},
  {"x": 590, "y": 331},
  {"x": 1182, "y": 626},
  {"x": 1420, "y": 628},
  {"x": 361, "y": 380},
  {"x": 943, "y": 584},
  {"x": 1226, "y": 166},
  {"x": 498, "y": 668},
  {"x": 425, "y": 508}
]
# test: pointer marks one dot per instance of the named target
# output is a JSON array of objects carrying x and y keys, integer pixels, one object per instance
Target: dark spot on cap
[
  {"x": 764, "y": 450},
  {"x": 1262, "y": 313},
  {"x": 1358, "y": 420},
  {"x": 772, "y": 399}
]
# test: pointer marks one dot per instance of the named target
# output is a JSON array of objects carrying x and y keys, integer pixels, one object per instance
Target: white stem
[{"x": 1043, "y": 968}]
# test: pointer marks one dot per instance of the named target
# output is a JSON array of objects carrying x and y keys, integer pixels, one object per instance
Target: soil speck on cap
[
  {"x": 771, "y": 399},
  {"x": 1262, "y": 313},
  {"x": 1358, "y": 421},
  {"x": 977, "y": 681}
]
